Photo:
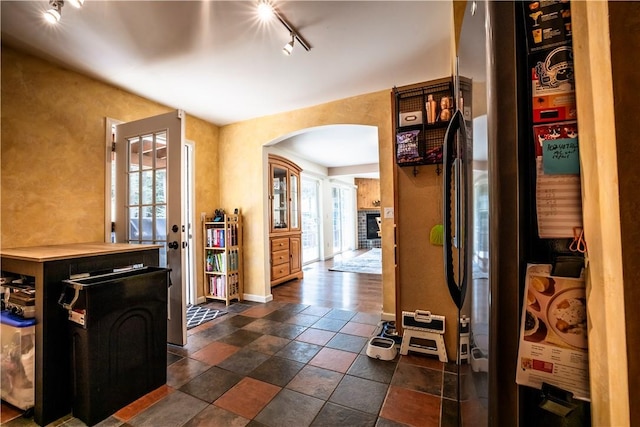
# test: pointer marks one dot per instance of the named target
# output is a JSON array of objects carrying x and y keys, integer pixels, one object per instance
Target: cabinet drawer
[
  {"x": 279, "y": 271},
  {"x": 279, "y": 244},
  {"x": 279, "y": 257}
]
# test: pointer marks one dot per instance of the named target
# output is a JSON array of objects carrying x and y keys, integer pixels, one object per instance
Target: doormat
[
  {"x": 369, "y": 262},
  {"x": 198, "y": 314}
]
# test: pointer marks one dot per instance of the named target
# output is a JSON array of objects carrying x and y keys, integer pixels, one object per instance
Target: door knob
[{"x": 173, "y": 245}]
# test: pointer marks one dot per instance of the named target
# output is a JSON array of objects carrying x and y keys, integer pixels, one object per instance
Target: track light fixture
[
  {"x": 54, "y": 13},
  {"x": 288, "y": 48},
  {"x": 266, "y": 10}
]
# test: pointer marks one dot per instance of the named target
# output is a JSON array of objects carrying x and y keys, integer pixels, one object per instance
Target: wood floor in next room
[{"x": 324, "y": 288}]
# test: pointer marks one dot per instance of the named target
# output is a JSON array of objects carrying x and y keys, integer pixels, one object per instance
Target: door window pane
[
  {"x": 293, "y": 179},
  {"x": 147, "y": 152},
  {"x": 147, "y": 187},
  {"x": 161, "y": 186},
  {"x": 161, "y": 150},
  {"x": 134, "y": 224},
  {"x": 134, "y": 188},
  {"x": 279, "y": 198},
  {"x": 161, "y": 223},
  {"x": 147, "y": 223},
  {"x": 134, "y": 154}
]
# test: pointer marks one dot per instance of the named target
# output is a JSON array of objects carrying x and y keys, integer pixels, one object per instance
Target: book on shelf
[
  {"x": 217, "y": 286},
  {"x": 217, "y": 262},
  {"x": 215, "y": 237}
]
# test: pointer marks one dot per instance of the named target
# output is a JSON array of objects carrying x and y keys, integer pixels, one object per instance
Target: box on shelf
[{"x": 411, "y": 118}]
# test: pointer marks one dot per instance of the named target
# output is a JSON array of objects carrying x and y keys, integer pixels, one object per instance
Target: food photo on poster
[{"x": 553, "y": 333}]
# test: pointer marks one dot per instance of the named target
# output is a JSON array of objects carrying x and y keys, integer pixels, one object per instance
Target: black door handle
[
  {"x": 449, "y": 155},
  {"x": 173, "y": 245}
]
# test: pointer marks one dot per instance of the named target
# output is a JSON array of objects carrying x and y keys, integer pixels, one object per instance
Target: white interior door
[{"x": 149, "y": 201}]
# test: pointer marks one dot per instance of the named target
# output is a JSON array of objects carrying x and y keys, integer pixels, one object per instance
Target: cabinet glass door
[
  {"x": 279, "y": 202},
  {"x": 295, "y": 209}
]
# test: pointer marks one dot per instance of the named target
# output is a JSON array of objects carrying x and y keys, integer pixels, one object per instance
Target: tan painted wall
[
  {"x": 420, "y": 263},
  {"x": 53, "y": 163},
  {"x": 242, "y": 183},
  {"x": 53, "y": 156}
]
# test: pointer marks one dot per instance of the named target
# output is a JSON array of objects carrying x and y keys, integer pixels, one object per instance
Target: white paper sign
[
  {"x": 553, "y": 333},
  {"x": 558, "y": 204}
]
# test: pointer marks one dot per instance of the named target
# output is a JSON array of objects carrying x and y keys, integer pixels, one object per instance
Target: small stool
[
  {"x": 464, "y": 347},
  {"x": 439, "y": 349},
  {"x": 422, "y": 325},
  {"x": 464, "y": 339}
]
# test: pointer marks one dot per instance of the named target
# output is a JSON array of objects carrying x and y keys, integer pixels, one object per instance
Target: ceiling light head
[
  {"x": 288, "y": 48},
  {"x": 265, "y": 10},
  {"x": 76, "y": 3},
  {"x": 54, "y": 13}
]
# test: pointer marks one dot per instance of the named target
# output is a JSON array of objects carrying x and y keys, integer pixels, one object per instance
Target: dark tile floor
[{"x": 285, "y": 364}]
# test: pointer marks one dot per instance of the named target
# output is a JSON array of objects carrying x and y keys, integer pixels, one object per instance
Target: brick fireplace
[{"x": 367, "y": 229}]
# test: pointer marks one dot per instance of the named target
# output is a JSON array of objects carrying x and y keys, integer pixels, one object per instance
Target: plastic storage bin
[
  {"x": 18, "y": 338},
  {"x": 118, "y": 326}
]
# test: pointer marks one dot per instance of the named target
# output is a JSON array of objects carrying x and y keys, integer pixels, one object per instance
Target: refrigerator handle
[{"x": 452, "y": 164}]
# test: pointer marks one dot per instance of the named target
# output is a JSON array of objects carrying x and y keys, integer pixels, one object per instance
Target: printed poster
[
  {"x": 551, "y": 131},
  {"x": 553, "y": 333},
  {"x": 558, "y": 203},
  {"x": 553, "y": 86},
  {"x": 548, "y": 24}
]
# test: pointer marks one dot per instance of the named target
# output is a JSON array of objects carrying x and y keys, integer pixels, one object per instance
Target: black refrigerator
[{"x": 489, "y": 211}]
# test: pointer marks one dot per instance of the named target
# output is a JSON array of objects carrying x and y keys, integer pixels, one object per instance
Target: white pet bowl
[{"x": 382, "y": 348}]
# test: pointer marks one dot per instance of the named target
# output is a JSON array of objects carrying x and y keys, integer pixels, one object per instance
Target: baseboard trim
[
  {"x": 257, "y": 298},
  {"x": 388, "y": 316}
]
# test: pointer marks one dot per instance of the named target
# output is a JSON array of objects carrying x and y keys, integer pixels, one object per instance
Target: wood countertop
[{"x": 73, "y": 250}]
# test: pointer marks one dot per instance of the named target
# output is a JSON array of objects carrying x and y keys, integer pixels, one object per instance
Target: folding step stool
[{"x": 423, "y": 325}]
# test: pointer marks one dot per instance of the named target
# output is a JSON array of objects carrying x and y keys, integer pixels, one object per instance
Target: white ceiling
[{"x": 215, "y": 61}]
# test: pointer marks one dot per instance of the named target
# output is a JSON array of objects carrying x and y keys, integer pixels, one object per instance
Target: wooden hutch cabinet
[{"x": 285, "y": 234}]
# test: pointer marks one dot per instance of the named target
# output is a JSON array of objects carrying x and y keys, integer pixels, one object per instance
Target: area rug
[
  {"x": 369, "y": 262},
  {"x": 198, "y": 314}
]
